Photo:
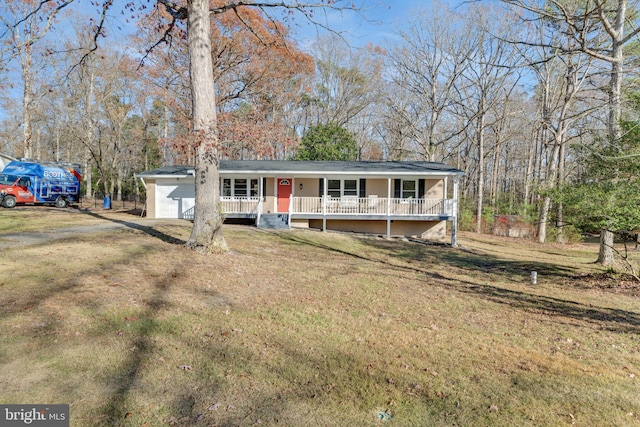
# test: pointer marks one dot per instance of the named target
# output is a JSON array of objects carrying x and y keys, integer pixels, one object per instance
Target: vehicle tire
[
  {"x": 61, "y": 202},
  {"x": 9, "y": 202}
]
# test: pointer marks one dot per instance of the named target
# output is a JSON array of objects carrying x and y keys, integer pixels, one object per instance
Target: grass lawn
[{"x": 303, "y": 328}]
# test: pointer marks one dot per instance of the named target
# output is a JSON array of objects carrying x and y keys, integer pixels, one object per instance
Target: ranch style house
[{"x": 413, "y": 199}]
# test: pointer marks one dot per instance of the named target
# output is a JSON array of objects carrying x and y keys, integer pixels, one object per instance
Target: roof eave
[
  {"x": 311, "y": 174},
  {"x": 358, "y": 173},
  {"x": 156, "y": 176}
]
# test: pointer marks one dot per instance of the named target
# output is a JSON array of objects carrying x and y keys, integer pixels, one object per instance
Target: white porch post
[
  {"x": 260, "y": 206},
  {"x": 444, "y": 196},
  {"x": 324, "y": 204},
  {"x": 454, "y": 221},
  {"x": 388, "y": 208},
  {"x": 292, "y": 196}
]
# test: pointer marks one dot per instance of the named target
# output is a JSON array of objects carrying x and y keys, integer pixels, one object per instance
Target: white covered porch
[
  {"x": 384, "y": 198},
  {"x": 352, "y": 208}
]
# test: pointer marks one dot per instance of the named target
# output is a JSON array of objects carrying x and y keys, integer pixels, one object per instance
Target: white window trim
[
  {"x": 233, "y": 195},
  {"x": 342, "y": 180},
  {"x": 415, "y": 191}
]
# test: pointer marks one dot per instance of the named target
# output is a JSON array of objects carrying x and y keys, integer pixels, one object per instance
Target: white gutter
[{"x": 320, "y": 174}]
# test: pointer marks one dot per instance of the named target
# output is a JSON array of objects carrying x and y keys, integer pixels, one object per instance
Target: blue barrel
[{"x": 107, "y": 202}]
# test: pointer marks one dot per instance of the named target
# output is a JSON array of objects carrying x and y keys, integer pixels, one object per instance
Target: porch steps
[{"x": 274, "y": 220}]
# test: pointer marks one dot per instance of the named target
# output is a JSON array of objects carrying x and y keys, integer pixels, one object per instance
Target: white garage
[{"x": 174, "y": 198}]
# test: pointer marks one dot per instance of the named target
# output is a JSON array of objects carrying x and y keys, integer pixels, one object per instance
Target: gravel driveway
[{"x": 39, "y": 237}]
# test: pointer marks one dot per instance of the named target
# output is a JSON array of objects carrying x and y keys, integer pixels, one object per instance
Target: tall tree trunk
[
  {"x": 480, "y": 170},
  {"x": 37, "y": 146},
  {"x": 529, "y": 178},
  {"x": 86, "y": 174},
  {"x": 495, "y": 173},
  {"x": 206, "y": 234},
  {"x": 543, "y": 219},
  {"x": 550, "y": 182},
  {"x": 89, "y": 137},
  {"x": 561, "y": 237},
  {"x": 107, "y": 186},
  {"x": 605, "y": 255},
  {"x": 165, "y": 130},
  {"x": 119, "y": 187},
  {"x": 615, "y": 104},
  {"x": 57, "y": 156},
  {"x": 27, "y": 101}
]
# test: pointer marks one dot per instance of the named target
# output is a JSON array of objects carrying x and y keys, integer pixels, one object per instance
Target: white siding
[{"x": 174, "y": 198}]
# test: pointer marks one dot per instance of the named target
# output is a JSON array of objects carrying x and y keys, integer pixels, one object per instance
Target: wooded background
[{"x": 537, "y": 103}]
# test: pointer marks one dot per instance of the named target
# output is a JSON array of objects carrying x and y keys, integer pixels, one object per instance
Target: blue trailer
[{"x": 28, "y": 182}]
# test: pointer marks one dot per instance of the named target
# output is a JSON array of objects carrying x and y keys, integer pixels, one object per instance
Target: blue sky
[{"x": 379, "y": 22}]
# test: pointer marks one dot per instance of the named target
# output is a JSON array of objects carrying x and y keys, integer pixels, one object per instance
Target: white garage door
[{"x": 174, "y": 199}]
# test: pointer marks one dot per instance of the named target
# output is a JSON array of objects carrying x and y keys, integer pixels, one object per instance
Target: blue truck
[{"x": 28, "y": 182}]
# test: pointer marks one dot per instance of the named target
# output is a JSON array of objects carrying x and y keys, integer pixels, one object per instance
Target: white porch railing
[
  {"x": 351, "y": 205},
  {"x": 189, "y": 213},
  {"x": 244, "y": 205}
]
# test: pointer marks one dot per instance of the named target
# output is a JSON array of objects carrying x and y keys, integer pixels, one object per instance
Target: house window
[
  {"x": 333, "y": 187},
  {"x": 239, "y": 187},
  {"x": 226, "y": 187},
  {"x": 350, "y": 187},
  {"x": 339, "y": 188},
  {"x": 255, "y": 190},
  {"x": 409, "y": 189}
]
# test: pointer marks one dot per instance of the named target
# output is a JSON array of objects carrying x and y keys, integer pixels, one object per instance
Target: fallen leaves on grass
[{"x": 624, "y": 284}]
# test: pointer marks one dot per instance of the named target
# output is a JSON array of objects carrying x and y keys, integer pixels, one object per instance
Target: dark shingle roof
[{"x": 272, "y": 167}]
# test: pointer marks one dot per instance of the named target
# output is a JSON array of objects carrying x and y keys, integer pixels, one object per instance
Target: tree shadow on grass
[
  {"x": 470, "y": 260},
  {"x": 127, "y": 376},
  {"x": 144, "y": 228},
  {"x": 143, "y": 347},
  {"x": 481, "y": 269},
  {"x": 197, "y": 385}
]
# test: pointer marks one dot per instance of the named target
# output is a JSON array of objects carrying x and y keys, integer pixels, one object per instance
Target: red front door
[{"x": 284, "y": 192}]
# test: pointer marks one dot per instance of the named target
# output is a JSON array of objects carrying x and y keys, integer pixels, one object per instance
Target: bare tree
[
  {"x": 24, "y": 24},
  {"x": 425, "y": 71},
  {"x": 563, "y": 84},
  {"x": 490, "y": 79},
  {"x": 598, "y": 29},
  {"x": 344, "y": 85}
]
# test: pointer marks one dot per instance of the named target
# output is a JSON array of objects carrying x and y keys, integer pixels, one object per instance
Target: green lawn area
[{"x": 303, "y": 328}]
